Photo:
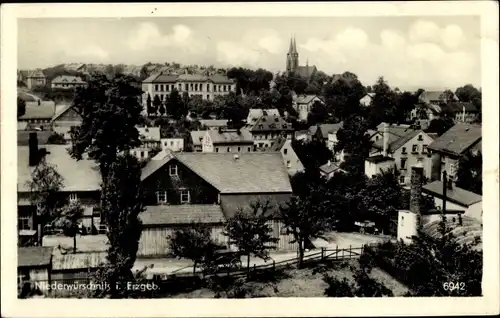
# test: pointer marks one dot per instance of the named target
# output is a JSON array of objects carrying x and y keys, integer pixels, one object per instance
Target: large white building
[{"x": 207, "y": 87}]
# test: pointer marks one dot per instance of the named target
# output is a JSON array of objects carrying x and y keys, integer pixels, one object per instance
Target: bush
[
  {"x": 338, "y": 288},
  {"x": 56, "y": 139}
]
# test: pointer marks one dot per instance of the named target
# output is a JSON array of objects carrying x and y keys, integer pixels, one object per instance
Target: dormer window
[
  {"x": 173, "y": 170},
  {"x": 161, "y": 197},
  {"x": 420, "y": 138}
]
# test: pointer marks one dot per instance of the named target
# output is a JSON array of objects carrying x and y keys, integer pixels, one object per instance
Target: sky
[{"x": 409, "y": 52}]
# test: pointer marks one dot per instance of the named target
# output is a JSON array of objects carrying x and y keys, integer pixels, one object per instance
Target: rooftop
[
  {"x": 455, "y": 194},
  {"x": 329, "y": 167},
  {"x": 149, "y": 133},
  {"x": 305, "y": 99},
  {"x": 214, "y": 122},
  {"x": 458, "y": 139},
  {"x": 80, "y": 175},
  {"x": 45, "y": 110},
  {"x": 181, "y": 214},
  {"x": 67, "y": 79},
  {"x": 378, "y": 159},
  {"x": 197, "y": 136},
  {"x": 253, "y": 172},
  {"x": 170, "y": 78},
  {"x": 256, "y": 113},
  {"x": 271, "y": 123},
  {"x": 230, "y": 136},
  {"x": 33, "y": 256},
  {"x": 329, "y": 128},
  {"x": 77, "y": 261}
]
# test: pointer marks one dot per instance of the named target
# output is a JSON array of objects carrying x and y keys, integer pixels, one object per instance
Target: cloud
[
  {"x": 256, "y": 46},
  {"x": 149, "y": 36},
  {"x": 426, "y": 56}
]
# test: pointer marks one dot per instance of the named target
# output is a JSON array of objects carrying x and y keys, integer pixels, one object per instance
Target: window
[
  {"x": 186, "y": 87},
  {"x": 414, "y": 148},
  {"x": 161, "y": 97},
  {"x": 217, "y": 149},
  {"x": 23, "y": 223},
  {"x": 208, "y": 88},
  {"x": 208, "y": 97},
  {"x": 171, "y": 143},
  {"x": 167, "y": 87},
  {"x": 73, "y": 197},
  {"x": 288, "y": 164},
  {"x": 161, "y": 196},
  {"x": 403, "y": 150},
  {"x": 239, "y": 149},
  {"x": 161, "y": 87},
  {"x": 285, "y": 151},
  {"x": 402, "y": 220},
  {"x": 284, "y": 230},
  {"x": 173, "y": 170},
  {"x": 185, "y": 197},
  {"x": 156, "y": 87},
  {"x": 228, "y": 149},
  {"x": 424, "y": 149},
  {"x": 403, "y": 163},
  {"x": 401, "y": 179},
  {"x": 142, "y": 154},
  {"x": 377, "y": 138},
  {"x": 249, "y": 149},
  {"x": 165, "y": 143},
  {"x": 420, "y": 138}
]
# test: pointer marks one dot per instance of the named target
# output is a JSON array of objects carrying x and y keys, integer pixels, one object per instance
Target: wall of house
[
  {"x": 290, "y": 159},
  {"x": 173, "y": 144},
  {"x": 39, "y": 274},
  {"x": 154, "y": 240},
  {"x": 34, "y": 82},
  {"x": 407, "y": 225},
  {"x": 266, "y": 139},
  {"x": 238, "y": 148},
  {"x": 372, "y": 168},
  {"x": 69, "y": 118},
  {"x": 475, "y": 211},
  {"x": 200, "y": 191}
]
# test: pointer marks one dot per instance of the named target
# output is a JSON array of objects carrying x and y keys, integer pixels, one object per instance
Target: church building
[{"x": 292, "y": 62}]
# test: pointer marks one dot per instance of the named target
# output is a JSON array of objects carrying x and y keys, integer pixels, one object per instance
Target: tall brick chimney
[
  {"x": 33, "y": 149},
  {"x": 417, "y": 172}
]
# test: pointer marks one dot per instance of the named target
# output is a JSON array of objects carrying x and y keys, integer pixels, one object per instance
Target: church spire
[
  {"x": 294, "y": 45},
  {"x": 290, "y": 50}
]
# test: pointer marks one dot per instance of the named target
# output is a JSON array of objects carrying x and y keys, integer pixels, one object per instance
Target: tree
[
  {"x": 249, "y": 81},
  {"x": 149, "y": 109},
  {"x": 470, "y": 172},
  {"x": 56, "y": 139},
  {"x": 231, "y": 108},
  {"x": 469, "y": 93},
  {"x": 380, "y": 199},
  {"x": 110, "y": 111},
  {"x": 368, "y": 287},
  {"x": 338, "y": 288},
  {"x": 157, "y": 104},
  {"x": 406, "y": 102},
  {"x": 354, "y": 140},
  {"x": 250, "y": 231},
  {"x": 194, "y": 243},
  {"x": 68, "y": 219},
  {"x": 312, "y": 154},
  {"x": 440, "y": 125},
  {"x": 122, "y": 201},
  {"x": 384, "y": 104},
  {"x": 342, "y": 96},
  {"x": 319, "y": 114},
  {"x": 45, "y": 186},
  {"x": 174, "y": 104},
  {"x": 143, "y": 73},
  {"x": 307, "y": 218},
  {"x": 21, "y": 107}
]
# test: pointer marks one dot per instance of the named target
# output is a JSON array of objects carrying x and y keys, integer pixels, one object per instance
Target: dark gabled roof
[
  {"x": 33, "y": 256},
  {"x": 230, "y": 136},
  {"x": 63, "y": 79},
  {"x": 181, "y": 214},
  {"x": 329, "y": 128},
  {"x": 170, "y": 78},
  {"x": 197, "y": 136},
  {"x": 78, "y": 261},
  {"x": 221, "y": 79},
  {"x": 232, "y": 203},
  {"x": 396, "y": 142},
  {"x": 38, "y": 73},
  {"x": 214, "y": 122},
  {"x": 271, "y": 123},
  {"x": 457, "y": 139},
  {"x": 329, "y": 168},
  {"x": 306, "y": 99},
  {"x": 305, "y": 71},
  {"x": 456, "y": 195},
  {"x": 254, "y": 172},
  {"x": 378, "y": 159},
  {"x": 62, "y": 111},
  {"x": 458, "y": 107}
]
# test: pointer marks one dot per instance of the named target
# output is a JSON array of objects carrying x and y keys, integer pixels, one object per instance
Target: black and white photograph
[{"x": 221, "y": 157}]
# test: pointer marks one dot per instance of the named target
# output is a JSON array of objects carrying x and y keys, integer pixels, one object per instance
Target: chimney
[
  {"x": 329, "y": 163},
  {"x": 417, "y": 172},
  {"x": 385, "y": 140},
  {"x": 33, "y": 149},
  {"x": 445, "y": 181},
  {"x": 449, "y": 184}
]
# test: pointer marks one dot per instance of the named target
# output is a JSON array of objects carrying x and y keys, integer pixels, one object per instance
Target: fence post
[
  {"x": 350, "y": 252},
  {"x": 274, "y": 266},
  {"x": 336, "y": 252},
  {"x": 322, "y": 253}
]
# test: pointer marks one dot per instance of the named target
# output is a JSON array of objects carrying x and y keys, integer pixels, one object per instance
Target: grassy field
[{"x": 306, "y": 282}]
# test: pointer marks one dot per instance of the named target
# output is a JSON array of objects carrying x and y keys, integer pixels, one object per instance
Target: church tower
[{"x": 292, "y": 57}]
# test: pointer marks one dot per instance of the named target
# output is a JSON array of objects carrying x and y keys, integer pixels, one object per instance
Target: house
[
  {"x": 321, "y": 131},
  {"x": 377, "y": 164},
  {"x": 77, "y": 67},
  {"x": 303, "y": 104},
  {"x": 64, "y": 119},
  {"x": 228, "y": 140},
  {"x": 367, "y": 99},
  {"x": 67, "y": 82},
  {"x": 436, "y": 97},
  {"x": 22, "y": 76},
  {"x": 328, "y": 169},
  {"x": 34, "y": 265},
  {"x": 207, "y": 87},
  {"x": 81, "y": 181},
  {"x": 38, "y": 115},
  {"x": 406, "y": 146},
  {"x": 290, "y": 158},
  {"x": 255, "y": 113},
  {"x": 36, "y": 79},
  {"x": 209, "y": 188},
  {"x": 75, "y": 266},
  {"x": 464, "y": 112},
  {"x": 150, "y": 142},
  {"x": 172, "y": 144},
  {"x": 197, "y": 139},
  {"x": 457, "y": 198},
  {"x": 269, "y": 127},
  {"x": 447, "y": 149},
  {"x": 425, "y": 111},
  {"x": 214, "y": 124},
  {"x": 429, "y": 221}
]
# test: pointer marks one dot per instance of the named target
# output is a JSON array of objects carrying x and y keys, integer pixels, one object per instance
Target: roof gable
[
  {"x": 45, "y": 110},
  {"x": 455, "y": 194}
]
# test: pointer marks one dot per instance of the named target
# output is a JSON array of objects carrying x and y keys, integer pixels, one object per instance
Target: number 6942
[{"x": 451, "y": 286}]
